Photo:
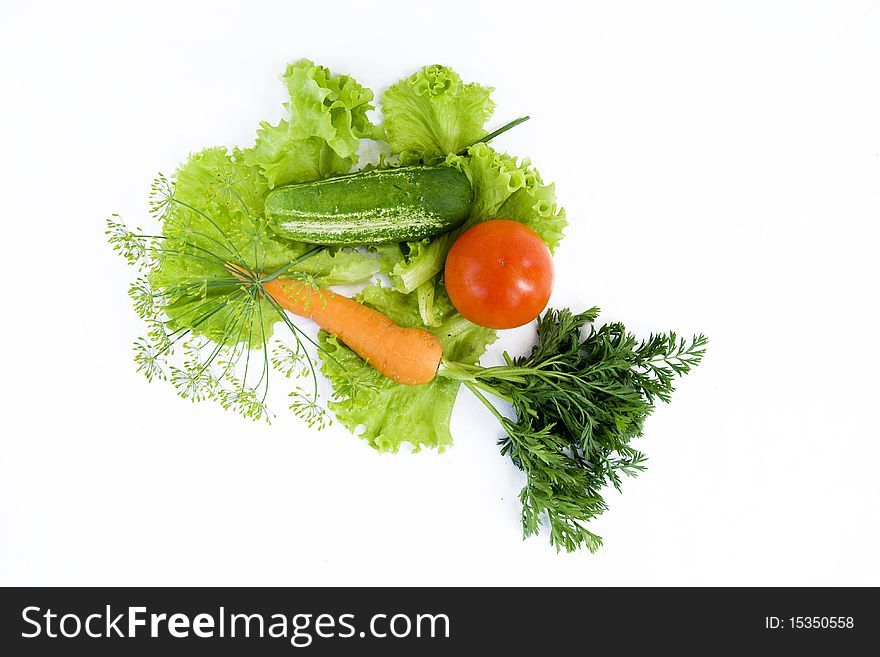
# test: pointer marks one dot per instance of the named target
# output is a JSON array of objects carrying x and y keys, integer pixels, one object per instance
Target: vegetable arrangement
[{"x": 456, "y": 239}]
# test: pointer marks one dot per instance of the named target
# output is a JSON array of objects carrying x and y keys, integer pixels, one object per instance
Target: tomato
[{"x": 499, "y": 274}]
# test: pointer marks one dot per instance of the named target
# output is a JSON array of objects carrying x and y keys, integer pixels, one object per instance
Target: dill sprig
[
  {"x": 200, "y": 294},
  {"x": 579, "y": 400}
]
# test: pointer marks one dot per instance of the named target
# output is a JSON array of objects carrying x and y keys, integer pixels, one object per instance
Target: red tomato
[{"x": 499, "y": 274}]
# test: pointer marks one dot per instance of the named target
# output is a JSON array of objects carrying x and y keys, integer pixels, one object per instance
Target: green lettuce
[
  {"x": 389, "y": 413},
  {"x": 423, "y": 261},
  {"x": 283, "y": 160},
  {"x": 433, "y": 113},
  {"x": 327, "y": 118},
  {"x": 509, "y": 188},
  {"x": 348, "y": 265}
]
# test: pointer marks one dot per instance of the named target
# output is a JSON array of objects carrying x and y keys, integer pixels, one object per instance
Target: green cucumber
[{"x": 372, "y": 207}]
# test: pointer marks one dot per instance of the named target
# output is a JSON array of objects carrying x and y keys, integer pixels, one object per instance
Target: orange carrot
[{"x": 409, "y": 356}]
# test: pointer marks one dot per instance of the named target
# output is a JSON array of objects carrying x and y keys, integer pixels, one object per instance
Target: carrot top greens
[{"x": 578, "y": 400}]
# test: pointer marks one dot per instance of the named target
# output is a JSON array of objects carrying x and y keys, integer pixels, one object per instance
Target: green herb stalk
[{"x": 579, "y": 401}]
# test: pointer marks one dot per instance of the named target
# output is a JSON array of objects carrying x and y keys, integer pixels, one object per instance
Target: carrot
[{"x": 409, "y": 356}]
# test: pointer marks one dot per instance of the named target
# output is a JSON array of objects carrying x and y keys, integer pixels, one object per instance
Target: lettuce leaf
[
  {"x": 212, "y": 213},
  {"x": 537, "y": 208},
  {"x": 423, "y": 261},
  {"x": 332, "y": 107},
  {"x": 509, "y": 188},
  {"x": 392, "y": 414},
  {"x": 433, "y": 113},
  {"x": 327, "y": 118},
  {"x": 346, "y": 265},
  {"x": 283, "y": 159}
]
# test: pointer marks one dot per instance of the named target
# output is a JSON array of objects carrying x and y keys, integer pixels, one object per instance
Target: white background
[{"x": 720, "y": 164}]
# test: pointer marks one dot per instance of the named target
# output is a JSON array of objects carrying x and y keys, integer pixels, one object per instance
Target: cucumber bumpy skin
[{"x": 372, "y": 207}]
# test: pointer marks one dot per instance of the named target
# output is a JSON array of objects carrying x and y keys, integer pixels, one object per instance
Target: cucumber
[{"x": 372, "y": 207}]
